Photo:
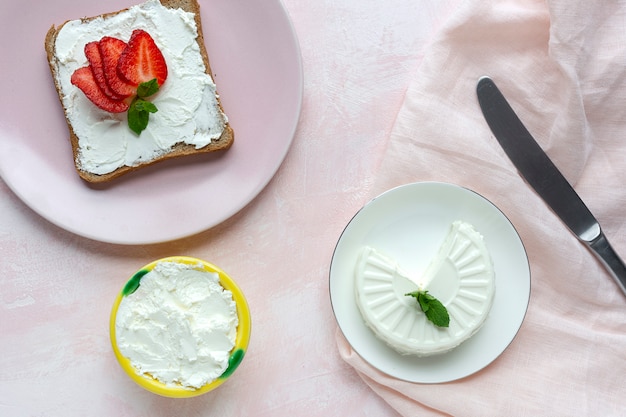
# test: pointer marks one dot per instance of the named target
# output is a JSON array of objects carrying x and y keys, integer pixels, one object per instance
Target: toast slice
[{"x": 177, "y": 149}]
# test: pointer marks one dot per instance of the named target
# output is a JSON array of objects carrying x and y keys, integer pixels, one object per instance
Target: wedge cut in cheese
[{"x": 461, "y": 276}]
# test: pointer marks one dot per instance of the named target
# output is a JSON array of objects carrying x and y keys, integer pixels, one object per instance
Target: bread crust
[{"x": 224, "y": 142}]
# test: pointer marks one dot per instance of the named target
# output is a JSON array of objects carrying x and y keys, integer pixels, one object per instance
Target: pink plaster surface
[{"x": 57, "y": 288}]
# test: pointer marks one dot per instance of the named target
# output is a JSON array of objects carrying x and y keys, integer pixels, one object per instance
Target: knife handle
[{"x": 610, "y": 259}]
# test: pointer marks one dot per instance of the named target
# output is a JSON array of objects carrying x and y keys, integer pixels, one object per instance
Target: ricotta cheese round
[
  {"x": 179, "y": 326},
  {"x": 188, "y": 110},
  {"x": 461, "y": 276}
]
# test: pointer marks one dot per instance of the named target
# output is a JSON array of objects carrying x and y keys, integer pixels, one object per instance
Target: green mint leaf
[
  {"x": 424, "y": 299},
  {"x": 434, "y": 310},
  {"x": 139, "y": 114},
  {"x": 143, "y": 105},
  {"x": 148, "y": 88},
  {"x": 438, "y": 314}
]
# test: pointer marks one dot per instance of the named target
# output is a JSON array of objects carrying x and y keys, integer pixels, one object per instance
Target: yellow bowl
[{"x": 241, "y": 341}]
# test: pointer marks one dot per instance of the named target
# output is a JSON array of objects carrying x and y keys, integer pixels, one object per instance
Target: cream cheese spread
[
  {"x": 461, "y": 276},
  {"x": 187, "y": 102},
  {"x": 179, "y": 326}
]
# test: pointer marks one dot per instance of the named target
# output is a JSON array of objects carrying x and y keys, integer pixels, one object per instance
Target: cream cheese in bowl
[{"x": 180, "y": 327}]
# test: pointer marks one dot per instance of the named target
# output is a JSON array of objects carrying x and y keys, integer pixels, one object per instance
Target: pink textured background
[{"x": 56, "y": 288}]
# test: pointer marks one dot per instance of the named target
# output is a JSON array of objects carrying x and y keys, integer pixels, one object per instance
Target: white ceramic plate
[
  {"x": 256, "y": 63},
  {"x": 409, "y": 223}
]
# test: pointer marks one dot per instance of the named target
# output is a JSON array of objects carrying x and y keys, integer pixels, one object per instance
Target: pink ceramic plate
[{"x": 256, "y": 63}]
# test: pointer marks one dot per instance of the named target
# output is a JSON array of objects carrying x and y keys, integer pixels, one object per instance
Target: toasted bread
[{"x": 177, "y": 150}]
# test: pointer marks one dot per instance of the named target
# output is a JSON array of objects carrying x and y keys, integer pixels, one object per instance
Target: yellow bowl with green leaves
[{"x": 235, "y": 355}]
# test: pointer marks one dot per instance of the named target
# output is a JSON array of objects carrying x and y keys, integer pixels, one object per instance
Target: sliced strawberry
[
  {"x": 92, "y": 52},
  {"x": 142, "y": 60},
  {"x": 110, "y": 51},
  {"x": 84, "y": 79}
]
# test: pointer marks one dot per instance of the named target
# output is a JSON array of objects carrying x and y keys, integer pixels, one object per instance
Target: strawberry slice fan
[{"x": 120, "y": 76}]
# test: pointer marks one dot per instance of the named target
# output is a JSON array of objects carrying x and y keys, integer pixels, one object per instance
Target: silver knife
[{"x": 544, "y": 177}]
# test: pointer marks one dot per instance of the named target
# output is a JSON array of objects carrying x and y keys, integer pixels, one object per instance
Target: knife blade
[{"x": 534, "y": 165}]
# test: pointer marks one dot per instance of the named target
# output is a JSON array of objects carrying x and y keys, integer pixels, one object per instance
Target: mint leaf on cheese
[
  {"x": 434, "y": 310},
  {"x": 140, "y": 109},
  {"x": 148, "y": 88}
]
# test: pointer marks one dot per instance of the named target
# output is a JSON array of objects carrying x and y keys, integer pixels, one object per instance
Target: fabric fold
[{"x": 562, "y": 66}]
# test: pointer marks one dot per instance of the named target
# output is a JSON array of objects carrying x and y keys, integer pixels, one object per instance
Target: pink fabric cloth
[{"x": 562, "y": 66}]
